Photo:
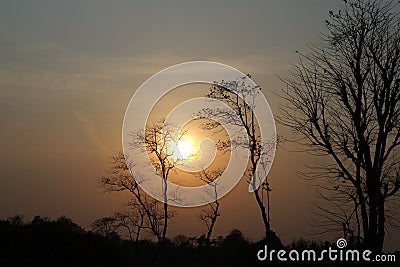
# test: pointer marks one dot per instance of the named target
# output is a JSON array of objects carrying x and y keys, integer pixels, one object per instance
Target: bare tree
[
  {"x": 16, "y": 220},
  {"x": 160, "y": 140},
  {"x": 121, "y": 179},
  {"x": 336, "y": 211},
  {"x": 344, "y": 100},
  {"x": 241, "y": 113},
  {"x": 210, "y": 214},
  {"x": 132, "y": 219},
  {"x": 105, "y": 226}
]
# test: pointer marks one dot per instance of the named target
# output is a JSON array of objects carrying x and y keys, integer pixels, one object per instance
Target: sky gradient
[{"x": 69, "y": 68}]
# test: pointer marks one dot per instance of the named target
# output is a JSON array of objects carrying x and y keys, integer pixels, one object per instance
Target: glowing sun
[{"x": 184, "y": 149}]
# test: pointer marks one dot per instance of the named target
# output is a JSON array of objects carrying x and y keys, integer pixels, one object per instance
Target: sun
[{"x": 184, "y": 149}]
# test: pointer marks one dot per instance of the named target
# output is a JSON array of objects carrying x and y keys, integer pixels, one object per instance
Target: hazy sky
[{"x": 69, "y": 68}]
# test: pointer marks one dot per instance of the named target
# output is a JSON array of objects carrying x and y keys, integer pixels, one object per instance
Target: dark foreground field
[{"x": 61, "y": 242}]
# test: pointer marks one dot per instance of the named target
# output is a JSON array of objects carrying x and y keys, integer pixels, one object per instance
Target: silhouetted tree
[
  {"x": 105, "y": 226},
  {"x": 132, "y": 219},
  {"x": 121, "y": 179},
  {"x": 181, "y": 241},
  {"x": 60, "y": 242},
  {"x": 234, "y": 247},
  {"x": 344, "y": 99},
  {"x": 67, "y": 223},
  {"x": 210, "y": 214},
  {"x": 160, "y": 140},
  {"x": 234, "y": 238},
  {"x": 16, "y": 220},
  {"x": 241, "y": 114}
]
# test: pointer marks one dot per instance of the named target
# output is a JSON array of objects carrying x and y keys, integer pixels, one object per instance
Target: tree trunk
[
  {"x": 381, "y": 225},
  {"x": 263, "y": 213},
  {"x": 164, "y": 232},
  {"x": 214, "y": 219},
  {"x": 165, "y": 226},
  {"x": 374, "y": 237}
]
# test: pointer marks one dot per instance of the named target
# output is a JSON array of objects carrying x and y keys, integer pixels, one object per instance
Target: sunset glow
[
  {"x": 184, "y": 149},
  {"x": 198, "y": 133}
]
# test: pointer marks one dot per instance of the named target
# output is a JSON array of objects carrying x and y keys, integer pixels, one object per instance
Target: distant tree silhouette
[
  {"x": 132, "y": 219},
  {"x": 105, "y": 226},
  {"x": 210, "y": 214},
  {"x": 181, "y": 240},
  {"x": 344, "y": 100},
  {"x": 234, "y": 246},
  {"x": 234, "y": 238},
  {"x": 60, "y": 242},
  {"x": 16, "y": 220},
  {"x": 67, "y": 223}
]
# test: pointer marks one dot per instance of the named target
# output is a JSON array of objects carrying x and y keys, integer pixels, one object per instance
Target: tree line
[{"x": 61, "y": 242}]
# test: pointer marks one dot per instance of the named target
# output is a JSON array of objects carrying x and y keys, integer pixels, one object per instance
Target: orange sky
[{"x": 67, "y": 73}]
